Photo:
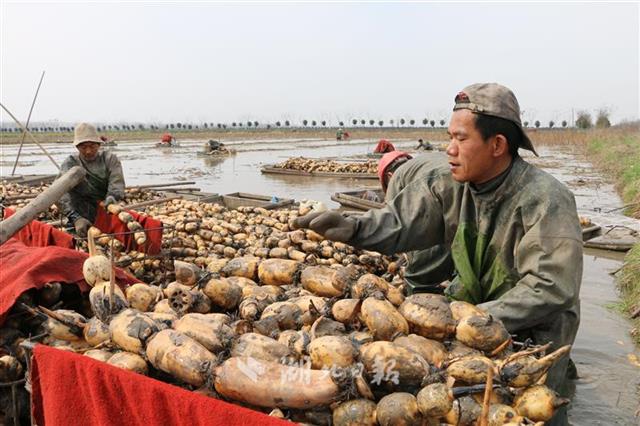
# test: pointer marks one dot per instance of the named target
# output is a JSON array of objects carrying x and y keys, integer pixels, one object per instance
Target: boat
[
  {"x": 164, "y": 145},
  {"x": 271, "y": 169},
  {"x": 30, "y": 180},
  {"x": 217, "y": 153},
  {"x": 375, "y": 155},
  {"x": 230, "y": 201},
  {"x": 240, "y": 199},
  {"x": 617, "y": 238},
  {"x": 360, "y": 200}
]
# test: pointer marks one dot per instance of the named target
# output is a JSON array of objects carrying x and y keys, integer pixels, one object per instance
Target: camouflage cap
[{"x": 495, "y": 100}]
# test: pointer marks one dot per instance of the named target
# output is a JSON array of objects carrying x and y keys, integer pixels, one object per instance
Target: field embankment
[
  {"x": 615, "y": 152},
  {"x": 618, "y": 155}
]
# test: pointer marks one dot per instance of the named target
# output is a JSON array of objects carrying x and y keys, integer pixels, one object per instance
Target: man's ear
[{"x": 500, "y": 145}]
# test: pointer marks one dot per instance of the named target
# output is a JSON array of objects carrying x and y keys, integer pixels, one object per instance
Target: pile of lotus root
[
  {"x": 308, "y": 165},
  {"x": 290, "y": 324},
  {"x": 15, "y": 196}
]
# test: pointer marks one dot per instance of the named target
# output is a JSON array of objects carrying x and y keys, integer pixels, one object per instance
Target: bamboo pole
[
  {"x": 42, "y": 202},
  {"x": 24, "y": 134},
  {"x": 30, "y": 135}
]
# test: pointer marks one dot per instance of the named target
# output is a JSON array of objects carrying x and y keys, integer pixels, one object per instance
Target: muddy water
[
  {"x": 607, "y": 362},
  {"x": 143, "y": 164}
]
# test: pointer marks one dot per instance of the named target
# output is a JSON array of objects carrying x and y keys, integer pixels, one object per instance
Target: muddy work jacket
[
  {"x": 427, "y": 268},
  {"x": 517, "y": 249},
  {"x": 104, "y": 177}
]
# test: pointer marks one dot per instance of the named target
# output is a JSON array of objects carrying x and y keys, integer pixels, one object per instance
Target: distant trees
[
  {"x": 313, "y": 123},
  {"x": 442, "y": 122},
  {"x": 525, "y": 124},
  {"x": 425, "y": 122},
  {"x": 602, "y": 121},
  {"x": 381, "y": 123},
  {"x": 564, "y": 123},
  {"x": 287, "y": 123},
  {"x": 537, "y": 123},
  {"x": 304, "y": 123},
  {"x": 402, "y": 121},
  {"x": 551, "y": 124},
  {"x": 324, "y": 123},
  {"x": 372, "y": 122},
  {"x": 354, "y": 122},
  {"x": 363, "y": 121},
  {"x": 412, "y": 122},
  {"x": 433, "y": 123},
  {"x": 341, "y": 124},
  {"x": 584, "y": 120}
]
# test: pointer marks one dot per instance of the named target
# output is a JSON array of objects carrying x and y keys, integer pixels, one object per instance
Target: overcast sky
[{"x": 217, "y": 62}]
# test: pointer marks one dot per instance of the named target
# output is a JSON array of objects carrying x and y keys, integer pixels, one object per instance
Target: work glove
[
  {"x": 82, "y": 225},
  {"x": 332, "y": 225},
  {"x": 109, "y": 200}
]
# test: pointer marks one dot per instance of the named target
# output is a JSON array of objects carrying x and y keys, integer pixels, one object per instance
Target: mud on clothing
[
  {"x": 516, "y": 248},
  {"x": 104, "y": 177},
  {"x": 427, "y": 268}
]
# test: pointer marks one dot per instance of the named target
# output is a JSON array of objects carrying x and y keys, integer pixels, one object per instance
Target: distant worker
[
  {"x": 424, "y": 145},
  {"x": 168, "y": 139},
  {"x": 384, "y": 146},
  {"x": 214, "y": 146},
  {"x": 104, "y": 180},
  {"x": 426, "y": 269},
  {"x": 107, "y": 142},
  {"x": 340, "y": 134},
  {"x": 388, "y": 165}
]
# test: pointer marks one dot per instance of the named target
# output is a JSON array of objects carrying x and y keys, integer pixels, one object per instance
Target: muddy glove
[
  {"x": 109, "y": 200},
  {"x": 82, "y": 225},
  {"x": 332, "y": 225}
]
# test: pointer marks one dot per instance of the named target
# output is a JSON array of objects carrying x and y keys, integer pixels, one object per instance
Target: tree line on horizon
[{"x": 583, "y": 121}]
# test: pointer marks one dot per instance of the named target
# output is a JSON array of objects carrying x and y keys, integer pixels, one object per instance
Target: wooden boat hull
[
  {"x": 356, "y": 200},
  {"x": 281, "y": 171}
]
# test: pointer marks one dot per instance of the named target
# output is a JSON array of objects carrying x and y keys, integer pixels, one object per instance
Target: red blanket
[
  {"x": 73, "y": 389},
  {"x": 38, "y": 234},
  {"x": 24, "y": 268},
  {"x": 110, "y": 224}
]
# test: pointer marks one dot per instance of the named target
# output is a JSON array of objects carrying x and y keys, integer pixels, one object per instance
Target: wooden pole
[
  {"x": 24, "y": 134},
  {"x": 486, "y": 403},
  {"x": 41, "y": 203},
  {"x": 30, "y": 135}
]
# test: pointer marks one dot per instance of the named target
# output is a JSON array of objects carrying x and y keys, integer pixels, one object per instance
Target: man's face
[
  {"x": 88, "y": 150},
  {"x": 471, "y": 159}
]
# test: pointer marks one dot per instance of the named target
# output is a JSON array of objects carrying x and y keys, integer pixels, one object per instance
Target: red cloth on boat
[
  {"x": 384, "y": 146},
  {"x": 110, "y": 224},
  {"x": 25, "y": 263},
  {"x": 74, "y": 389},
  {"x": 166, "y": 138},
  {"x": 38, "y": 234}
]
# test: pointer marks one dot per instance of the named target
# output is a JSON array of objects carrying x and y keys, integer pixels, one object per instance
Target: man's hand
[
  {"x": 331, "y": 224},
  {"x": 109, "y": 200},
  {"x": 82, "y": 225}
]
